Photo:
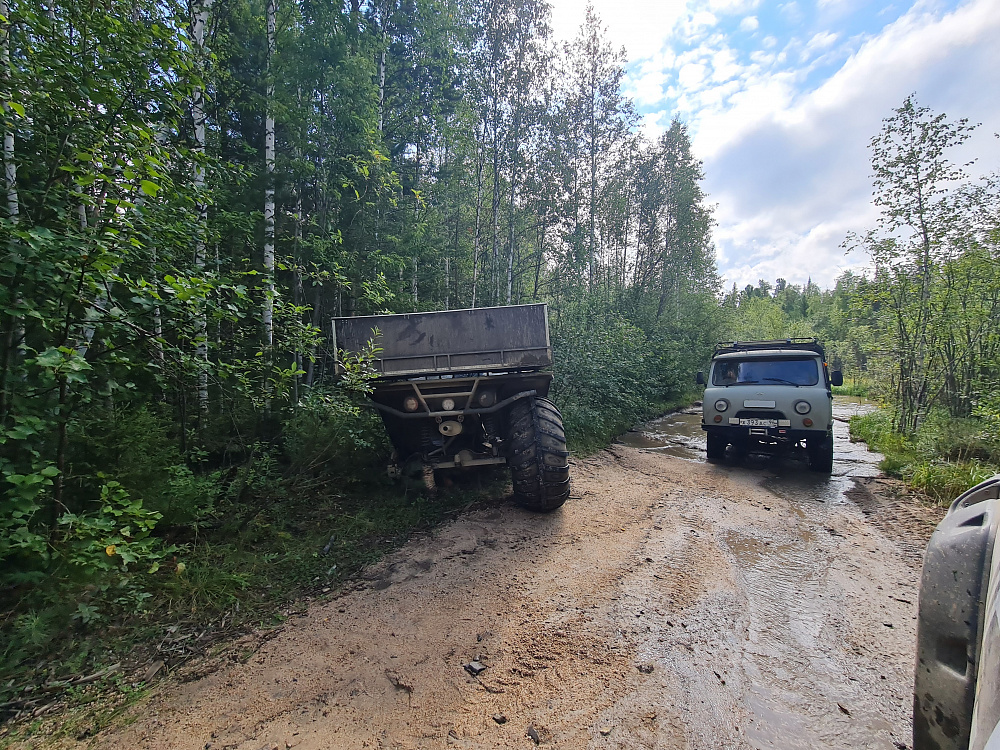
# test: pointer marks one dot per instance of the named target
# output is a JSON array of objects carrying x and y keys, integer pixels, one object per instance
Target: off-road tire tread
[
  {"x": 715, "y": 447},
  {"x": 820, "y": 454},
  {"x": 539, "y": 461}
]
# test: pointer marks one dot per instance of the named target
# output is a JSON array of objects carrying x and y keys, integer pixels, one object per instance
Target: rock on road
[{"x": 669, "y": 604}]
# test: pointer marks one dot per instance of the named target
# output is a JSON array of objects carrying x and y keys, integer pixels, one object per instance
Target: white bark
[
  {"x": 268, "y": 312},
  {"x": 414, "y": 284},
  {"x": 9, "y": 163},
  {"x": 480, "y": 158},
  {"x": 200, "y": 10}
]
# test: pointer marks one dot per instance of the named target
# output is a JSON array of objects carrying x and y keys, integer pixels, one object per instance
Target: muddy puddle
[
  {"x": 679, "y": 434},
  {"x": 799, "y": 686}
]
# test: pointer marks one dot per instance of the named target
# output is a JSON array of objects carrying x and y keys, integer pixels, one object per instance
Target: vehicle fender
[
  {"x": 986, "y": 715},
  {"x": 953, "y": 593}
]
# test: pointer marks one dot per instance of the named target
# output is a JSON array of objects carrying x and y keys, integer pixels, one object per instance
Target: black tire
[
  {"x": 716, "y": 447},
  {"x": 539, "y": 461},
  {"x": 820, "y": 451}
]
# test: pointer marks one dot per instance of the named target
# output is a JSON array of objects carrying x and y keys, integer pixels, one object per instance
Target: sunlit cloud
[{"x": 782, "y": 100}]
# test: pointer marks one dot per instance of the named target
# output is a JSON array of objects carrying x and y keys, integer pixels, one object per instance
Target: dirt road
[{"x": 671, "y": 603}]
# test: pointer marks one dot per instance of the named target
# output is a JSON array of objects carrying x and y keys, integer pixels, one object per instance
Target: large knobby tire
[
  {"x": 716, "y": 446},
  {"x": 539, "y": 461},
  {"x": 820, "y": 450}
]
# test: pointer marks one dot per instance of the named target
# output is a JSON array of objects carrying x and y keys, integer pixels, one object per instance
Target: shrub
[{"x": 945, "y": 457}]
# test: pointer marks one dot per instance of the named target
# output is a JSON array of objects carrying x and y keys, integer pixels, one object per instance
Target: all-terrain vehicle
[
  {"x": 459, "y": 389},
  {"x": 770, "y": 395}
]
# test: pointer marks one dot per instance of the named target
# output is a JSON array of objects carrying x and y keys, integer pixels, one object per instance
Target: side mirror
[
  {"x": 700, "y": 378},
  {"x": 836, "y": 377}
]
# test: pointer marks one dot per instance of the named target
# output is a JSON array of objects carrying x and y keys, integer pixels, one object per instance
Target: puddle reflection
[{"x": 680, "y": 435}]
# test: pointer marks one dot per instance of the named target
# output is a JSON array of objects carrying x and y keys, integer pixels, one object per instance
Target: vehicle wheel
[
  {"x": 716, "y": 448},
  {"x": 741, "y": 449},
  {"x": 539, "y": 461},
  {"x": 820, "y": 451}
]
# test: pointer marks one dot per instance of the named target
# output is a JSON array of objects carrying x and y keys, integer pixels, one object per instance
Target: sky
[{"x": 781, "y": 100}]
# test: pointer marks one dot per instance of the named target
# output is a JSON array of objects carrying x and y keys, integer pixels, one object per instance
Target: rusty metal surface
[{"x": 451, "y": 341}]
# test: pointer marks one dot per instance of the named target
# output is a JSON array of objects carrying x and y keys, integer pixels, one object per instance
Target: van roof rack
[{"x": 805, "y": 343}]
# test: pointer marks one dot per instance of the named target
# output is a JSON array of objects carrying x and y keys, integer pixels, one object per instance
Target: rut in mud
[{"x": 670, "y": 603}]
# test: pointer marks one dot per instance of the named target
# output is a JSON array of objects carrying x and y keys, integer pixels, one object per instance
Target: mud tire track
[{"x": 649, "y": 612}]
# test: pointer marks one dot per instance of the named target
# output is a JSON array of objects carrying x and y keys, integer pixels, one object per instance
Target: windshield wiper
[{"x": 782, "y": 380}]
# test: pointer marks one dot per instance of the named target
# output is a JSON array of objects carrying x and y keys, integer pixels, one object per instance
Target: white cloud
[
  {"x": 785, "y": 152},
  {"x": 732, "y": 6},
  {"x": 822, "y": 40},
  {"x": 792, "y": 173},
  {"x": 691, "y": 75},
  {"x": 725, "y": 66},
  {"x": 642, "y": 28},
  {"x": 791, "y": 11}
]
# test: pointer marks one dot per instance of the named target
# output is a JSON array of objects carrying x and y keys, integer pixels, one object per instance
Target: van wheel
[
  {"x": 820, "y": 450},
  {"x": 716, "y": 447},
  {"x": 539, "y": 461}
]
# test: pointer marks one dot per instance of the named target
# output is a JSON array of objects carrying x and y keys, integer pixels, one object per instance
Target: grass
[
  {"x": 231, "y": 582},
  {"x": 852, "y": 389},
  {"x": 945, "y": 456},
  {"x": 855, "y": 387},
  {"x": 260, "y": 558}
]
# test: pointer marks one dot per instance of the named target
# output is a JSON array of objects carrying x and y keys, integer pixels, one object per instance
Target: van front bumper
[{"x": 777, "y": 434}]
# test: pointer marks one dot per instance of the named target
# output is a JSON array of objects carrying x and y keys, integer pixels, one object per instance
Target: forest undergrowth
[
  {"x": 944, "y": 457},
  {"x": 193, "y": 191}
]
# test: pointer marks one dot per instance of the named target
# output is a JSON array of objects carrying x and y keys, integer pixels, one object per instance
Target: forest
[{"x": 194, "y": 189}]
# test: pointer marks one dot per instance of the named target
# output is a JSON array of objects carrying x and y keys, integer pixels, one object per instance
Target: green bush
[
  {"x": 605, "y": 377},
  {"x": 945, "y": 457},
  {"x": 139, "y": 447},
  {"x": 333, "y": 433}
]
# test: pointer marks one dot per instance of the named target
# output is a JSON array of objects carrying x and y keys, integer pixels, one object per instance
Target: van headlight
[
  {"x": 410, "y": 403},
  {"x": 802, "y": 407},
  {"x": 721, "y": 405}
]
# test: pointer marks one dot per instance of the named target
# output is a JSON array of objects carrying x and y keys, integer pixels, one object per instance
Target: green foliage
[
  {"x": 856, "y": 388},
  {"x": 935, "y": 295},
  {"x": 760, "y": 318},
  {"x": 609, "y": 375},
  {"x": 333, "y": 433},
  {"x": 945, "y": 457},
  {"x": 160, "y": 443}
]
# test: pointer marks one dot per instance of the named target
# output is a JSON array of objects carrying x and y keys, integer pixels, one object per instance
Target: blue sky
[{"x": 782, "y": 98}]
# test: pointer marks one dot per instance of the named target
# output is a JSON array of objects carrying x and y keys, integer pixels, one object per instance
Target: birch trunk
[
  {"x": 9, "y": 163},
  {"x": 480, "y": 158},
  {"x": 268, "y": 312},
  {"x": 200, "y": 10}
]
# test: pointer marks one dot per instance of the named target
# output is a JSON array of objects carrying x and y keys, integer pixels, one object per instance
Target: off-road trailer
[{"x": 459, "y": 389}]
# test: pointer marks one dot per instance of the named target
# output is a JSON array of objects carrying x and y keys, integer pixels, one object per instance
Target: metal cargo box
[{"x": 493, "y": 339}]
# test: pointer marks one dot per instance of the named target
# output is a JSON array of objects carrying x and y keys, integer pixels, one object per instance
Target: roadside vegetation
[
  {"x": 192, "y": 191},
  {"x": 918, "y": 334},
  {"x": 942, "y": 458}
]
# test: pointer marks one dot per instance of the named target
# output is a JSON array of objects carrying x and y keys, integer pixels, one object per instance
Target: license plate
[{"x": 758, "y": 423}]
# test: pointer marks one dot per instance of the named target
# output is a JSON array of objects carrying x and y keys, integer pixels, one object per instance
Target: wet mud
[{"x": 671, "y": 603}]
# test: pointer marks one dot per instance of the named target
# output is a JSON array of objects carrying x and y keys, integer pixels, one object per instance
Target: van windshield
[{"x": 804, "y": 371}]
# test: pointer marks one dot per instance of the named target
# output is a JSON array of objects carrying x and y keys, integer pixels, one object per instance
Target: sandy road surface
[{"x": 670, "y": 604}]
